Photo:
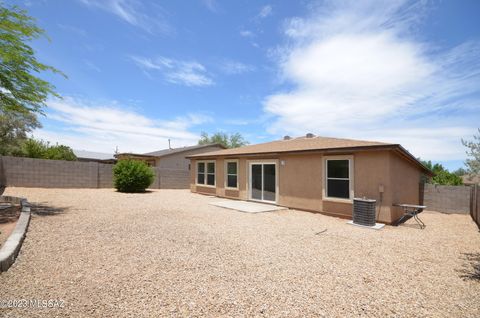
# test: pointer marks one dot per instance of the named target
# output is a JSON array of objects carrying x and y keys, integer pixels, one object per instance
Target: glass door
[
  {"x": 256, "y": 179},
  {"x": 263, "y": 182}
]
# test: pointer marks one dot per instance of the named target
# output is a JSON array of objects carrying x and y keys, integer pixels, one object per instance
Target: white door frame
[{"x": 249, "y": 178}]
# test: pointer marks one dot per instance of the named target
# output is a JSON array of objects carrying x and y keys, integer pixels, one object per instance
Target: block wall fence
[
  {"x": 42, "y": 173},
  {"x": 447, "y": 199}
]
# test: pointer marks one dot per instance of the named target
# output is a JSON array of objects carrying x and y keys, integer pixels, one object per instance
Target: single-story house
[
  {"x": 313, "y": 173},
  {"x": 173, "y": 158}
]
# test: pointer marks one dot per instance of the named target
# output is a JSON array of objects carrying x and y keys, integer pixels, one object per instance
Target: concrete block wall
[
  {"x": 105, "y": 175},
  {"x": 447, "y": 199},
  {"x": 29, "y": 172},
  {"x": 172, "y": 178}
]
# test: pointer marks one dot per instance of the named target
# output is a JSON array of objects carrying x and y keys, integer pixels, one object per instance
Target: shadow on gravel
[
  {"x": 471, "y": 268},
  {"x": 43, "y": 209}
]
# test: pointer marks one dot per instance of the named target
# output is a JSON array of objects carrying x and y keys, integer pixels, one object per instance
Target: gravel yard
[{"x": 170, "y": 253}]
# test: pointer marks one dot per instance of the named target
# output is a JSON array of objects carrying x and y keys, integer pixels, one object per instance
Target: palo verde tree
[
  {"x": 229, "y": 141},
  {"x": 22, "y": 93},
  {"x": 473, "y": 152}
]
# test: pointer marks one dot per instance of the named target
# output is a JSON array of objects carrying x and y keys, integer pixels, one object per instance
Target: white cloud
[
  {"x": 357, "y": 71},
  {"x": 189, "y": 73},
  {"x": 247, "y": 34},
  {"x": 234, "y": 67},
  {"x": 134, "y": 13},
  {"x": 73, "y": 29},
  {"x": 265, "y": 11},
  {"x": 210, "y": 5},
  {"x": 102, "y": 126},
  {"x": 89, "y": 64}
]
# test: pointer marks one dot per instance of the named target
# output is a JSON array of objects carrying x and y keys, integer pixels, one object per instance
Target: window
[
  {"x": 232, "y": 174},
  {"x": 211, "y": 173},
  {"x": 206, "y": 173},
  {"x": 338, "y": 178},
  {"x": 201, "y": 173}
]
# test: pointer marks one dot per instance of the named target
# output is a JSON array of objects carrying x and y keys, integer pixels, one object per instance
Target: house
[
  {"x": 173, "y": 158},
  {"x": 313, "y": 173}
]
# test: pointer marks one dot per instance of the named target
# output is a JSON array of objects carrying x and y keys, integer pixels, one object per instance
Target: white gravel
[{"x": 170, "y": 253}]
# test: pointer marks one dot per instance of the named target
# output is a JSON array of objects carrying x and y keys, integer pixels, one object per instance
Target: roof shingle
[{"x": 295, "y": 144}]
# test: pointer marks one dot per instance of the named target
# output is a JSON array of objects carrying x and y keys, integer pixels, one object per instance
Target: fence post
[
  {"x": 477, "y": 206},
  {"x": 421, "y": 193},
  {"x": 3, "y": 178}
]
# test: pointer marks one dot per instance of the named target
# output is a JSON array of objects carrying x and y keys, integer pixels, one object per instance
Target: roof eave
[
  {"x": 397, "y": 147},
  {"x": 337, "y": 149}
]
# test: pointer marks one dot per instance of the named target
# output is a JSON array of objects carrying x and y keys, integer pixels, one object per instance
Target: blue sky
[{"x": 142, "y": 72}]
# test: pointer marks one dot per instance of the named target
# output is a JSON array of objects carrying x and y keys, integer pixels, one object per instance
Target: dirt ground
[{"x": 98, "y": 253}]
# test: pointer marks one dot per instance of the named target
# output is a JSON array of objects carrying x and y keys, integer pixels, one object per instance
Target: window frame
[
  {"x": 205, "y": 173},
  {"x": 350, "y": 178},
  {"x": 227, "y": 161}
]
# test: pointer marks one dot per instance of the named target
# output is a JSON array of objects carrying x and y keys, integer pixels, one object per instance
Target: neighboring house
[
  {"x": 90, "y": 156},
  {"x": 313, "y": 173},
  {"x": 171, "y": 158},
  {"x": 470, "y": 180}
]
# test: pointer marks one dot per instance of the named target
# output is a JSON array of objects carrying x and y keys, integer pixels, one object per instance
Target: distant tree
[
  {"x": 229, "y": 141},
  {"x": 13, "y": 131},
  {"x": 40, "y": 149},
  {"x": 473, "y": 163},
  {"x": 460, "y": 172},
  {"x": 22, "y": 93},
  {"x": 442, "y": 175}
]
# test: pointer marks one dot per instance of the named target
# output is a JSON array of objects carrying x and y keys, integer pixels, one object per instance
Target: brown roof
[
  {"x": 294, "y": 145},
  {"x": 316, "y": 143},
  {"x": 167, "y": 152}
]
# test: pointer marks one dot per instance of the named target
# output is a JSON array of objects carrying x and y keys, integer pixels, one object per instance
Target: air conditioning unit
[{"x": 364, "y": 211}]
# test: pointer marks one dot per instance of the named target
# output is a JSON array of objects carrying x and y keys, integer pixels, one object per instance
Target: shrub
[
  {"x": 132, "y": 176},
  {"x": 33, "y": 148}
]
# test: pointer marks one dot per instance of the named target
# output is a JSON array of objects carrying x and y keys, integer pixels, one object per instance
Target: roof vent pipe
[
  {"x": 287, "y": 137},
  {"x": 310, "y": 135}
]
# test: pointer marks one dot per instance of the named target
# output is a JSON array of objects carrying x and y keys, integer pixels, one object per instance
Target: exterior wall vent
[
  {"x": 287, "y": 137},
  {"x": 364, "y": 211},
  {"x": 309, "y": 135}
]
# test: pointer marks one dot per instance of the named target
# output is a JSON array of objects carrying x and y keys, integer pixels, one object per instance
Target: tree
[
  {"x": 460, "y": 172},
  {"x": 40, "y": 149},
  {"x": 20, "y": 90},
  {"x": 13, "y": 131},
  {"x": 473, "y": 163},
  {"x": 229, "y": 141},
  {"x": 22, "y": 93},
  {"x": 442, "y": 175}
]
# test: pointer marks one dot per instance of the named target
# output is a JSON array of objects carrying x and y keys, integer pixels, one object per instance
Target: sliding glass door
[{"x": 263, "y": 181}]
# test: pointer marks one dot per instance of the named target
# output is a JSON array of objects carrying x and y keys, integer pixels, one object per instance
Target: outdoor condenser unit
[{"x": 364, "y": 211}]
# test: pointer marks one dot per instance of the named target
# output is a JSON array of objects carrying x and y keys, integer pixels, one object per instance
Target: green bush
[
  {"x": 132, "y": 176},
  {"x": 33, "y": 148}
]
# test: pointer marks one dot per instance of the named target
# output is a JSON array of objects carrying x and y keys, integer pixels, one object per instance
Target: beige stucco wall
[
  {"x": 301, "y": 183},
  {"x": 178, "y": 161},
  {"x": 405, "y": 181}
]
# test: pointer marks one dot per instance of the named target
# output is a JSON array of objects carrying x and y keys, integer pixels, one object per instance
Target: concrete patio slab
[{"x": 246, "y": 206}]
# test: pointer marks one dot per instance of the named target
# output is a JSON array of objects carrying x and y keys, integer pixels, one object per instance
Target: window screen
[
  {"x": 338, "y": 179},
  {"x": 201, "y": 173},
  {"x": 211, "y": 173},
  {"x": 232, "y": 174}
]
